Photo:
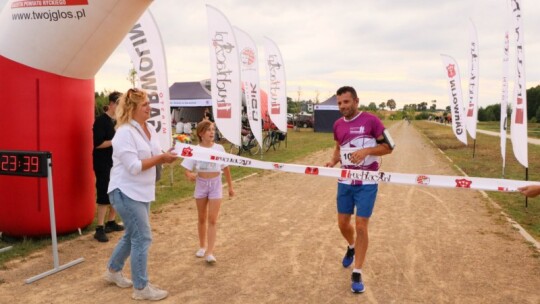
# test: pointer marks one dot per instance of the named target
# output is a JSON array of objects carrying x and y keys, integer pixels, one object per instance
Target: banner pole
[
  {"x": 5, "y": 249},
  {"x": 526, "y": 178}
]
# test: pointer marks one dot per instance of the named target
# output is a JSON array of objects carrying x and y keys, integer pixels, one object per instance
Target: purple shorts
[{"x": 210, "y": 188}]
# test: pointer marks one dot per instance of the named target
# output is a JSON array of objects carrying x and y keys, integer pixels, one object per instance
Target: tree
[
  {"x": 372, "y": 107},
  {"x": 490, "y": 113},
  {"x": 533, "y": 101},
  {"x": 538, "y": 114},
  {"x": 132, "y": 77},
  {"x": 422, "y": 106},
  {"x": 382, "y": 105},
  {"x": 292, "y": 107},
  {"x": 101, "y": 101},
  {"x": 433, "y": 106},
  {"x": 391, "y": 104},
  {"x": 448, "y": 109}
]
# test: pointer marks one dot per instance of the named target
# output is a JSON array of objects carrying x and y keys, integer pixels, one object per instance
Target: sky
[{"x": 386, "y": 49}]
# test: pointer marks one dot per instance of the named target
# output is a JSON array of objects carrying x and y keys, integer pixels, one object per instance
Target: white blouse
[{"x": 130, "y": 147}]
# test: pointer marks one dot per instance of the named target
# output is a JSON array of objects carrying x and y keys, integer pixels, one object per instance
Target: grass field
[
  {"x": 488, "y": 163},
  {"x": 494, "y": 126}
]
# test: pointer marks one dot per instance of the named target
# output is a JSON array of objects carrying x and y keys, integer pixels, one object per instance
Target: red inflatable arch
[
  {"x": 47, "y": 69},
  {"x": 46, "y": 112}
]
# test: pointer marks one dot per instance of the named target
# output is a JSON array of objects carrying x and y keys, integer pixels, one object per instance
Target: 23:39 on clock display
[{"x": 24, "y": 163}]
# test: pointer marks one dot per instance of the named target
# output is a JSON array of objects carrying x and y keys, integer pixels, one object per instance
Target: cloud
[{"x": 387, "y": 49}]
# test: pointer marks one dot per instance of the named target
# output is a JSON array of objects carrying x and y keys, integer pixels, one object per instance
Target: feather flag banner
[
  {"x": 518, "y": 123},
  {"x": 277, "y": 86},
  {"x": 145, "y": 47},
  {"x": 472, "y": 107},
  {"x": 249, "y": 74},
  {"x": 456, "y": 98},
  {"x": 225, "y": 84}
]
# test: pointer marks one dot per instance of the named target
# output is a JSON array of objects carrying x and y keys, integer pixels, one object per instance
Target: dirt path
[{"x": 278, "y": 242}]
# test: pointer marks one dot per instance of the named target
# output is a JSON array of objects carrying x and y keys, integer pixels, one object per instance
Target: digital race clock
[{"x": 24, "y": 163}]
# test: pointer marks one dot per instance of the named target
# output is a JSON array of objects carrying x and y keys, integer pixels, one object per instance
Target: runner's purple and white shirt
[{"x": 360, "y": 132}]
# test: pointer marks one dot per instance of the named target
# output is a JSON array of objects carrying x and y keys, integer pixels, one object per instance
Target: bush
[{"x": 421, "y": 116}]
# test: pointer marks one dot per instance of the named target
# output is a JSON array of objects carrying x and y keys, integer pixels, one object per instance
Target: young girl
[{"x": 208, "y": 190}]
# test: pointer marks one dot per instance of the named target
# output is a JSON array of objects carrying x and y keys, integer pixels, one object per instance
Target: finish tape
[{"x": 444, "y": 181}]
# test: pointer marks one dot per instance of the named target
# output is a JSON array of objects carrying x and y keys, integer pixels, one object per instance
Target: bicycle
[
  {"x": 249, "y": 144},
  {"x": 273, "y": 139}
]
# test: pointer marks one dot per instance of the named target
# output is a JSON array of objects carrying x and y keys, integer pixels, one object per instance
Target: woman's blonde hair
[
  {"x": 128, "y": 104},
  {"x": 202, "y": 127}
]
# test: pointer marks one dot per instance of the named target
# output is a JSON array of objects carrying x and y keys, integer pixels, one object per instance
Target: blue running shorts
[{"x": 361, "y": 196}]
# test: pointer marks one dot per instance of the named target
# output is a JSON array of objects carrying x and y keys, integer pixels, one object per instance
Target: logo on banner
[
  {"x": 223, "y": 49},
  {"x": 471, "y": 111},
  {"x": 251, "y": 94},
  {"x": 463, "y": 183},
  {"x": 455, "y": 101},
  {"x": 345, "y": 174},
  {"x": 450, "y": 69},
  {"x": 519, "y": 112},
  {"x": 146, "y": 70},
  {"x": 312, "y": 171},
  {"x": 275, "y": 84},
  {"x": 187, "y": 152},
  {"x": 232, "y": 160},
  {"x": 248, "y": 57},
  {"x": 422, "y": 180},
  {"x": 504, "y": 189},
  {"x": 37, "y": 3},
  {"x": 278, "y": 166},
  {"x": 372, "y": 176}
]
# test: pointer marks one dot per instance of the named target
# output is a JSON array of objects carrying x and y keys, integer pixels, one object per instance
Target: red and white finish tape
[{"x": 444, "y": 181}]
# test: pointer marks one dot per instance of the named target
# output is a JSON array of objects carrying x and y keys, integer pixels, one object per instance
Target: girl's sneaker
[
  {"x": 210, "y": 259},
  {"x": 200, "y": 253}
]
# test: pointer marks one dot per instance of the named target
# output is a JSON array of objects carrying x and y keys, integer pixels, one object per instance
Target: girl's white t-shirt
[{"x": 202, "y": 166}]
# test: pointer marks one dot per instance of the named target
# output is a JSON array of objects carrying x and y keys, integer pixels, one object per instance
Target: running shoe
[
  {"x": 349, "y": 257},
  {"x": 357, "y": 285}
]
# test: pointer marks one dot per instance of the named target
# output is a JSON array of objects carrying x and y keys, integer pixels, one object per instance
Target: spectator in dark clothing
[
  {"x": 103, "y": 130},
  {"x": 208, "y": 115}
]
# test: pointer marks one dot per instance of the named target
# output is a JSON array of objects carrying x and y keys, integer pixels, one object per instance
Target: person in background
[
  {"x": 103, "y": 133},
  {"x": 136, "y": 153},
  {"x": 208, "y": 190},
  {"x": 207, "y": 115},
  {"x": 179, "y": 127},
  {"x": 360, "y": 141},
  {"x": 187, "y": 128},
  {"x": 530, "y": 190}
]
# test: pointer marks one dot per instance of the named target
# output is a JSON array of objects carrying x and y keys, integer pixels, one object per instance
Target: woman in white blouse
[{"x": 136, "y": 153}]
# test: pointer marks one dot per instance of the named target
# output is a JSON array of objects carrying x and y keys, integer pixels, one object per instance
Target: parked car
[{"x": 304, "y": 121}]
